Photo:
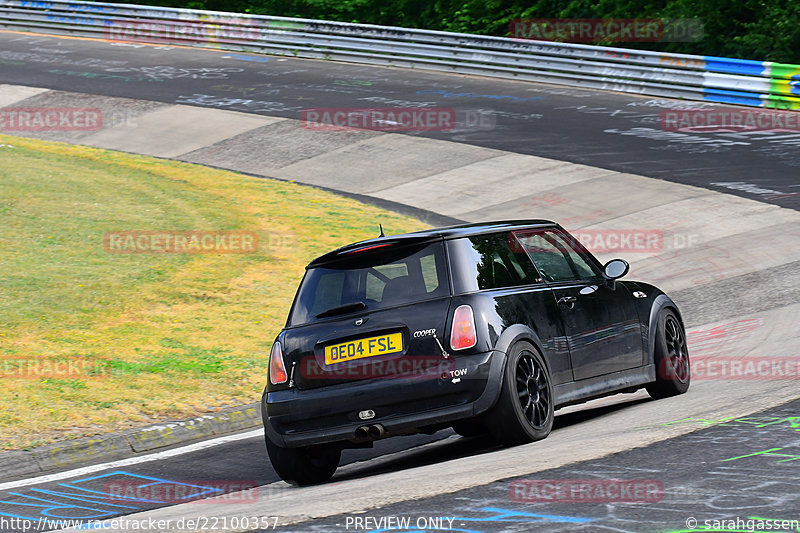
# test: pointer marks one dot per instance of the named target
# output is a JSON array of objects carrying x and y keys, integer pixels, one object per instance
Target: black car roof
[{"x": 448, "y": 232}]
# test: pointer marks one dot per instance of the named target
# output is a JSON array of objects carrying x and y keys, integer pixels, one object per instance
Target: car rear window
[{"x": 391, "y": 276}]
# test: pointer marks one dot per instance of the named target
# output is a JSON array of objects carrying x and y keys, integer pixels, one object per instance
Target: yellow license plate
[{"x": 361, "y": 348}]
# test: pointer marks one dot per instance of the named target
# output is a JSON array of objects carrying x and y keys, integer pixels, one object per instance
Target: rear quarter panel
[{"x": 504, "y": 316}]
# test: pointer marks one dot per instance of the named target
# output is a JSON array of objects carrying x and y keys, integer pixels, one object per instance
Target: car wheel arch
[
  {"x": 660, "y": 303},
  {"x": 520, "y": 333},
  {"x": 510, "y": 336}
]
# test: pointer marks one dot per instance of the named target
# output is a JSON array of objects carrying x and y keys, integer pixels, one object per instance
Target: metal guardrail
[{"x": 708, "y": 78}]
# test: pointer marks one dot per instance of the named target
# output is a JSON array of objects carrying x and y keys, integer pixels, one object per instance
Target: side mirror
[{"x": 615, "y": 269}]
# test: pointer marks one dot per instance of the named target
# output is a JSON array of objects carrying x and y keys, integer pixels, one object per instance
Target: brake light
[
  {"x": 277, "y": 369},
  {"x": 365, "y": 248},
  {"x": 462, "y": 335}
]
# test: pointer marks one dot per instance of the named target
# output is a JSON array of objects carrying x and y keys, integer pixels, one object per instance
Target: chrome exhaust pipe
[
  {"x": 376, "y": 431},
  {"x": 362, "y": 432}
]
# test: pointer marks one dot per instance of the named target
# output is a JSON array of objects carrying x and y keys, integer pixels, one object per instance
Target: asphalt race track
[
  {"x": 702, "y": 478},
  {"x": 613, "y": 131},
  {"x": 226, "y": 468},
  {"x": 567, "y": 154}
]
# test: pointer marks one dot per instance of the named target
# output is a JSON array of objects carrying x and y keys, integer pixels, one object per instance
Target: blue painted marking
[
  {"x": 247, "y": 58},
  {"x": 155, "y": 481},
  {"x": 116, "y": 497},
  {"x": 72, "y": 20},
  {"x": 87, "y": 500},
  {"x": 114, "y": 473},
  {"x": 732, "y": 97},
  {"x": 729, "y": 65},
  {"x": 48, "y": 509},
  {"x": 504, "y": 515},
  {"x": 87, "y": 7}
]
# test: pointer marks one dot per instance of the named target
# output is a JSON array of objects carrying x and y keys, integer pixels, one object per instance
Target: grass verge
[{"x": 168, "y": 334}]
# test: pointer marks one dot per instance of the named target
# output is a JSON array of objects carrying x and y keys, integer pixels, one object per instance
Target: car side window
[
  {"x": 489, "y": 262},
  {"x": 557, "y": 256}
]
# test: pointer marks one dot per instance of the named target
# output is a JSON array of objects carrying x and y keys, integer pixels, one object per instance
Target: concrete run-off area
[{"x": 730, "y": 263}]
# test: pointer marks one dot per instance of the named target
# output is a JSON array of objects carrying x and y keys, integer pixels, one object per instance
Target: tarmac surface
[
  {"x": 724, "y": 204},
  {"x": 619, "y": 132},
  {"x": 729, "y": 477}
]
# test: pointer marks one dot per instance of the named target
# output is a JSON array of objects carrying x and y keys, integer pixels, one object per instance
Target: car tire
[
  {"x": 524, "y": 412},
  {"x": 671, "y": 358},
  {"x": 304, "y": 466},
  {"x": 470, "y": 427}
]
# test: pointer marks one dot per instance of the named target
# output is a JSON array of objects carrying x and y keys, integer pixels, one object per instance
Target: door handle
[
  {"x": 589, "y": 289},
  {"x": 567, "y": 301}
]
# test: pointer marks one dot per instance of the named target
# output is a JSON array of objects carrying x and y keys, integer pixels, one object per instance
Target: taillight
[
  {"x": 365, "y": 248},
  {"x": 463, "y": 333},
  {"x": 277, "y": 369}
]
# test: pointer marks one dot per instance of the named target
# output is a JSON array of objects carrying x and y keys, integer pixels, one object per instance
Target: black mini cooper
[{"x": 483, "y": 327}]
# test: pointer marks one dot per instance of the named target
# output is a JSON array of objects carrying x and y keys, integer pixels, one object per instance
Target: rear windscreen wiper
[{"x": 346, "y": 308}]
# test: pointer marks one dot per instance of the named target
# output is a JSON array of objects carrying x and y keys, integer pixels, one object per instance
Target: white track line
[{"x": 132, "y": 460}]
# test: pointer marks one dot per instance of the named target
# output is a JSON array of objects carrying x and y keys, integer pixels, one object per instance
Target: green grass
[{"x": 160, "y": 335}]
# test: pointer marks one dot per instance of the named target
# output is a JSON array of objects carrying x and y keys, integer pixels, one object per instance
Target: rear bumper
[{"x": 294, "y": 418}]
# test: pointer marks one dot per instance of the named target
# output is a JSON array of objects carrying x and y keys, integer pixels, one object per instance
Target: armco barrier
[{"x": 714, "y": 79}]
